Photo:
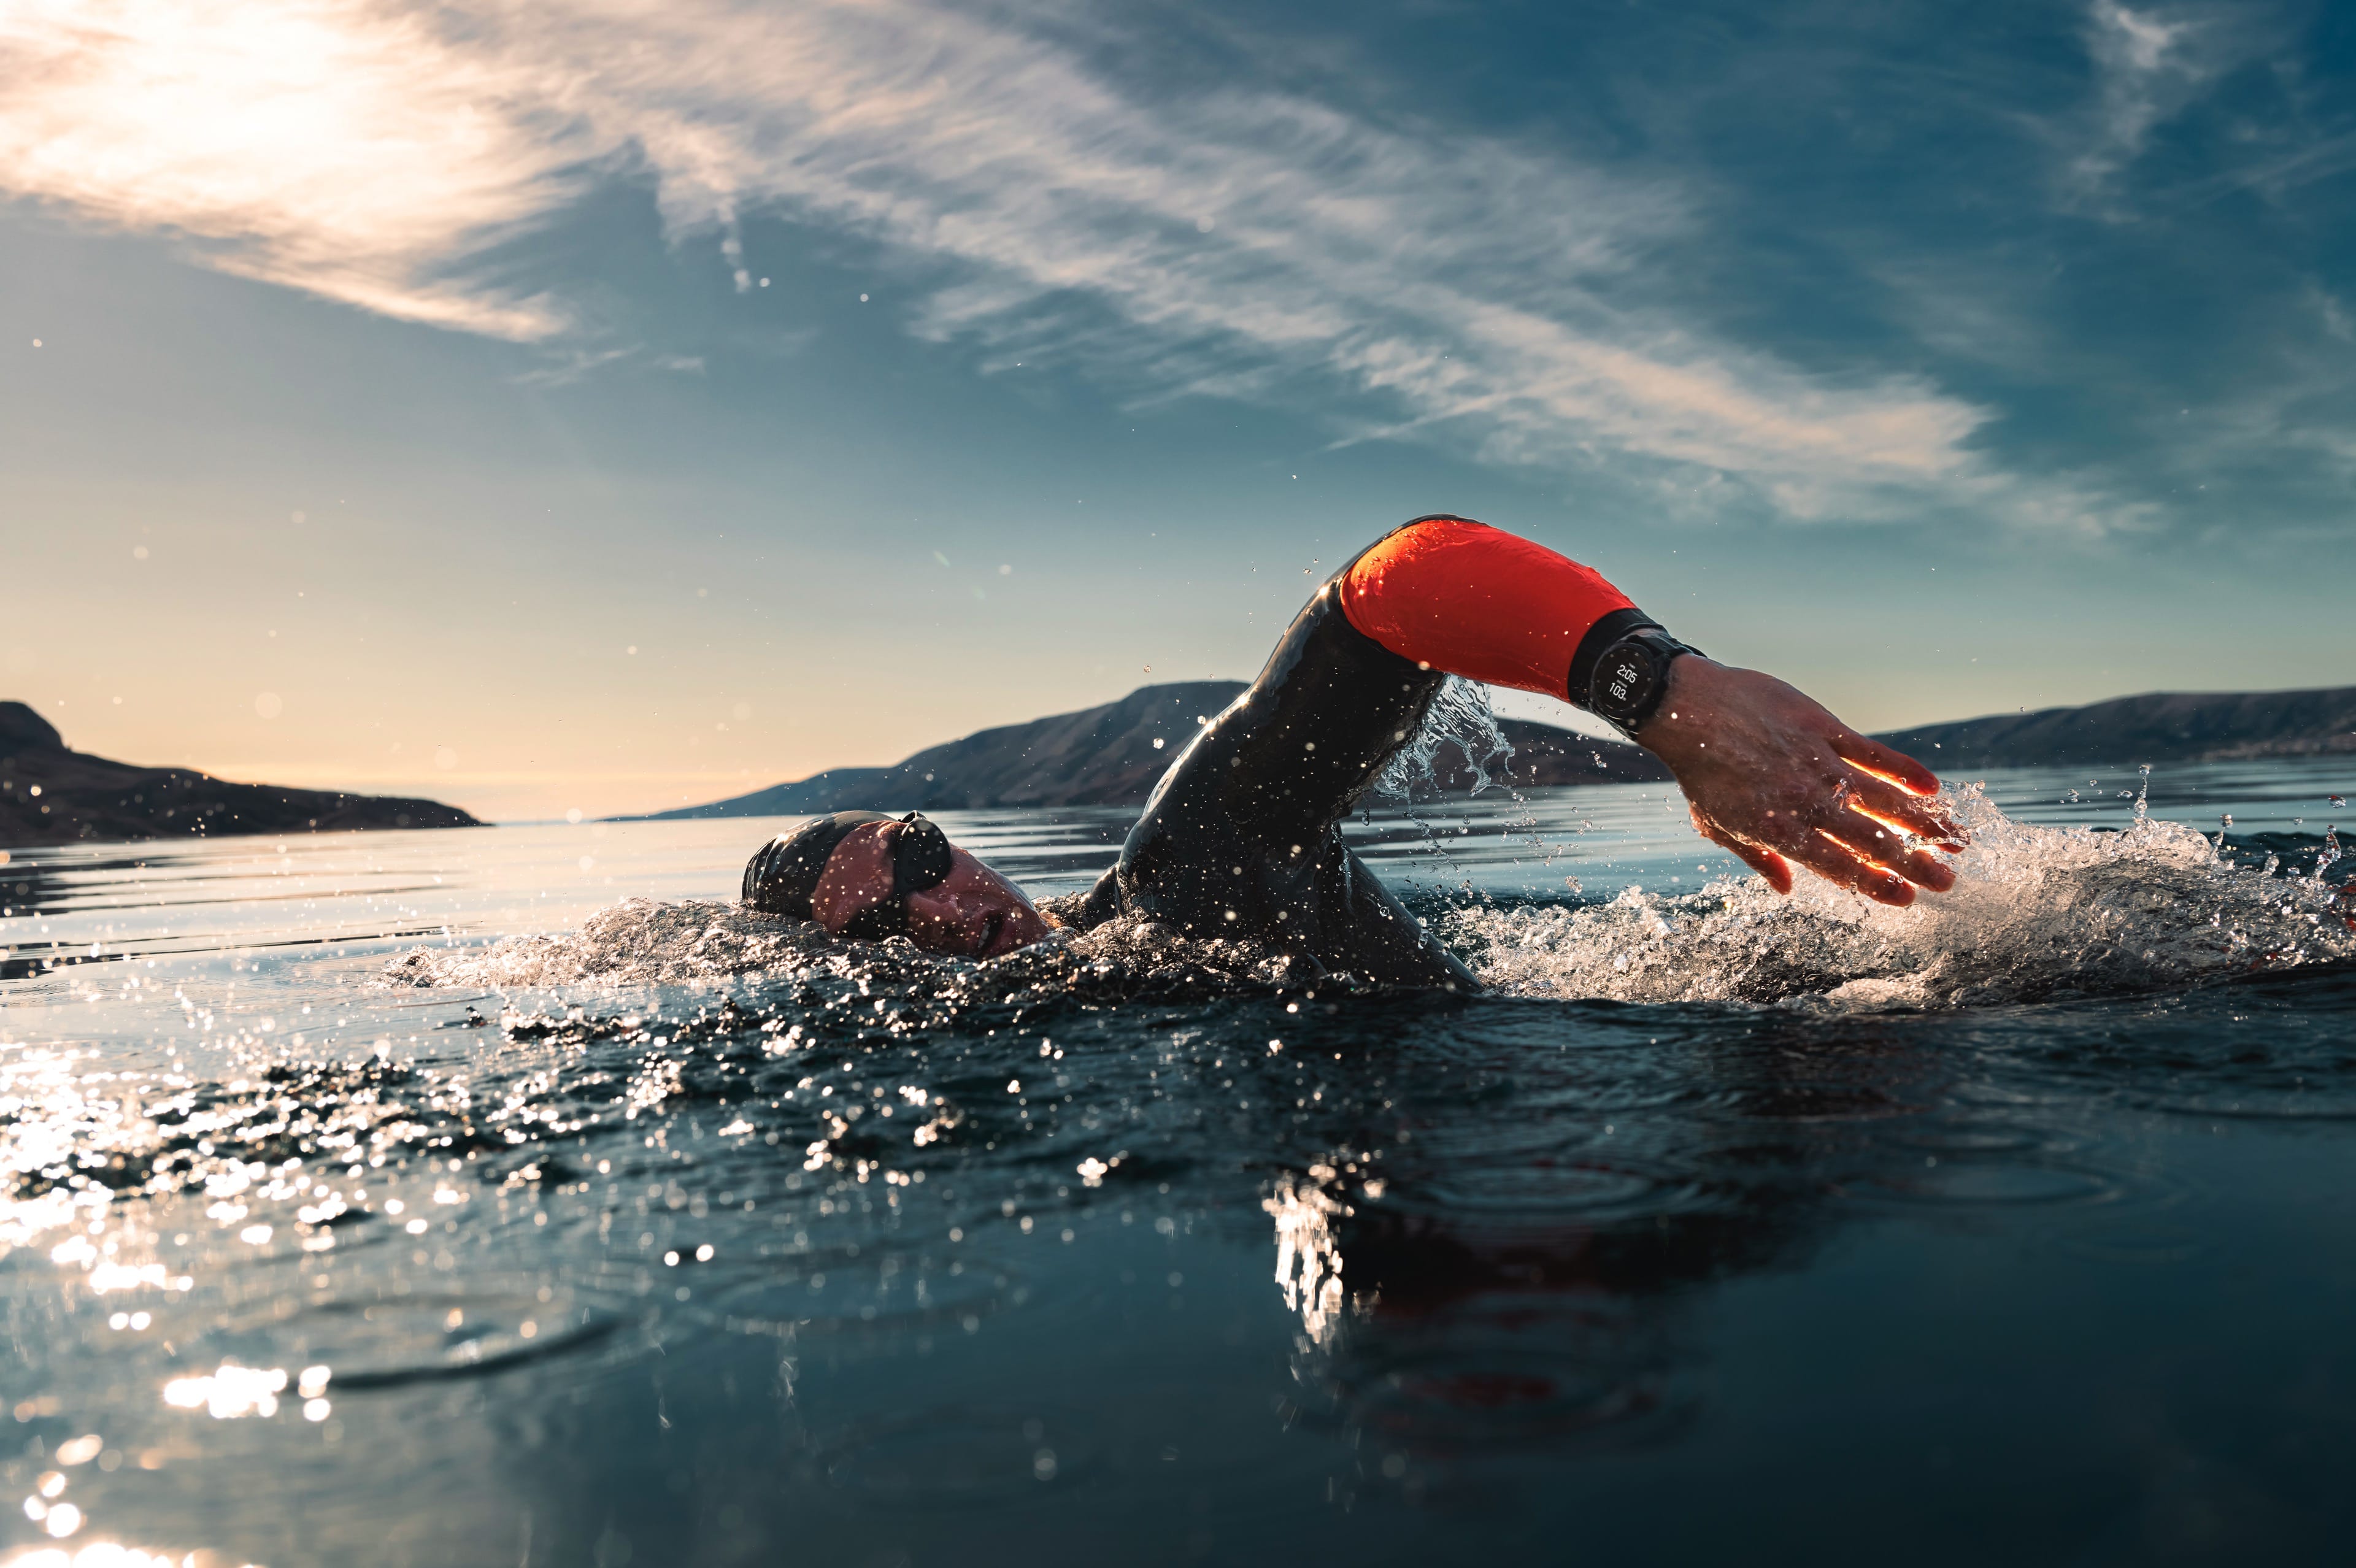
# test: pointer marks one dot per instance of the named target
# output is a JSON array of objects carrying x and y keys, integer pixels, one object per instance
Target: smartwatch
[{"x": 1631, "y": 675}]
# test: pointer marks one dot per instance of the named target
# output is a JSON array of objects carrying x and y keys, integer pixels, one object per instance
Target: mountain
[
  {"x": 2157, "y": 727},
  {"x": 49, "y": 794},
  {"x": 1107, "y": 756}
]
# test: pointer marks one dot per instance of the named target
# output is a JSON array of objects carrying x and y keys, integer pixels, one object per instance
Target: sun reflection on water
[
  {"x": 1308, "y": 1261},
  {"x": 230, "y": 1391},
  {"x": 102, "y": 1554}
]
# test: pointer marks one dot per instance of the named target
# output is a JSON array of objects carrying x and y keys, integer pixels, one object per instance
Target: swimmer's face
[{"x": 973, "y": 913}]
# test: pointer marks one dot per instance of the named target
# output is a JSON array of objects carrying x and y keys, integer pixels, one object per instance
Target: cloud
[
  {"x": 322, "y": 146},
  {"x": 2148, "y": 68},
  {"x": 1445, "y": 286},
  {"x": 2331, "y": 312}
]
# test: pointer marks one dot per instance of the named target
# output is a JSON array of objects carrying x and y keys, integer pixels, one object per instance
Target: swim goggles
[{"x": 920, "y": 860}]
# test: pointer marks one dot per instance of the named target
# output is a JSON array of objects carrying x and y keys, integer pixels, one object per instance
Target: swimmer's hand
[{"x": 1774, "y": 778}]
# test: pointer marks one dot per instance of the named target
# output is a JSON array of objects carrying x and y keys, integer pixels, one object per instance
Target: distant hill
[
  {"x": 1106, "y": 756},
  {"x": 2157, "y": 727},
  {"x": 49, "y": 794}
]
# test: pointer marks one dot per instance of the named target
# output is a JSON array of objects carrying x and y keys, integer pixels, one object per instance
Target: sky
[{"x": 610, "y": 404}]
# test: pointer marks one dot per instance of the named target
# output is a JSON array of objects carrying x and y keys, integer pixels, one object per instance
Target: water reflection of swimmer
[
  {"x": 1242, "y": 836},
  {"x": 1452, "y": 1294}
]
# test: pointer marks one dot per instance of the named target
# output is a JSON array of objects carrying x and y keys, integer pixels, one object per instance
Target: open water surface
[{"x": 504, "y": 1196}]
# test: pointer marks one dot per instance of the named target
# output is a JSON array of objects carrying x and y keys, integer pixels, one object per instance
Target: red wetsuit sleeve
[{"x": 1473, "y": 600}]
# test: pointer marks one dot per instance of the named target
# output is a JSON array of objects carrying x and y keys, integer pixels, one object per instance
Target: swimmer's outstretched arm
[{"x": 1769, "y": 774}]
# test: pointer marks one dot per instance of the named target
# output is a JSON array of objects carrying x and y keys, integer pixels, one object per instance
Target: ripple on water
[
  {"x": 1580, "y": 1168},
  {"x": 1585, "y": 1189},
  {"x": 2102, "y": 1203},
  {"x": 1980, "y": 1140},
  {"x": 1511, "y": 1372},
  {"x": 405, "y": 1339},
  {"x": 1967, "y": 1182},
  {"x": 2150, "y": 1225}
]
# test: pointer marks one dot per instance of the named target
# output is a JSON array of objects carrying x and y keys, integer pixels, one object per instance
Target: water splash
[
  {"x": 637, "y": 941},
  {"x": 2036, "y": 912},
  {"x": 641, "y": 942},
  {"x": 1459, "y": 715}
]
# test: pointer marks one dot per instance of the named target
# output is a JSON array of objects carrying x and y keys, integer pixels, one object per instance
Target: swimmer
[{"x": 1242, "y": 836}]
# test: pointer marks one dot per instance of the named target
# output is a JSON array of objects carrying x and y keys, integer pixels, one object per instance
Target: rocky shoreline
[{"x": 52, "y": 795}]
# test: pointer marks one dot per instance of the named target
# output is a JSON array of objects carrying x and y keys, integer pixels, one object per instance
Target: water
[{"x": 2018, "y": 1225}]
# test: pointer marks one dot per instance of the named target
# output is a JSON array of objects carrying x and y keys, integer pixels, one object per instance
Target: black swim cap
[{"x": 785, "y": 872}]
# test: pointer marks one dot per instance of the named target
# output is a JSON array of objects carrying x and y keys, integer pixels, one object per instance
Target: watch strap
[{"x": 1607, "y": 629}]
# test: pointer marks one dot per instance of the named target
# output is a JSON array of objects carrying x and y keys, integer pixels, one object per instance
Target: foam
[
  {"x": 2035, "y": 913},
  {"x": 637, "y": 941},
  {"x": 649, "y": 942}
]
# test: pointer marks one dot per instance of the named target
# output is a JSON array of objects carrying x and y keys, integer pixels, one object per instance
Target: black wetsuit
[{"x": 1243, "y": 835}]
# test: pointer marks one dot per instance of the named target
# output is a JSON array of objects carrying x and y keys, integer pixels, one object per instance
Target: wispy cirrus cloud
[
  {"x": 2154, "y": 63},
  {"x": 2146, "y": 65},
  {"x": 1453, "y": 287}
]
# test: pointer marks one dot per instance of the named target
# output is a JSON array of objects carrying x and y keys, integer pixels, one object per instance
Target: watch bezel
[{"x": 1655, "y": 650}]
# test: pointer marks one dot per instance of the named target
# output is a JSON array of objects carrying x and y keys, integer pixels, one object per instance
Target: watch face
[{"x": 1625, "y": 679}]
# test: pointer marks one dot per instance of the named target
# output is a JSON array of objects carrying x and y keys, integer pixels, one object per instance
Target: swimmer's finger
[
  {"x": 1868, "y": 756},
  {"x": 1758, "y": 857},
  {"x": 1878, "y": 845},
  {"x": 1830, "y": 858},
  {"x": 1896, "y": 811}
]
